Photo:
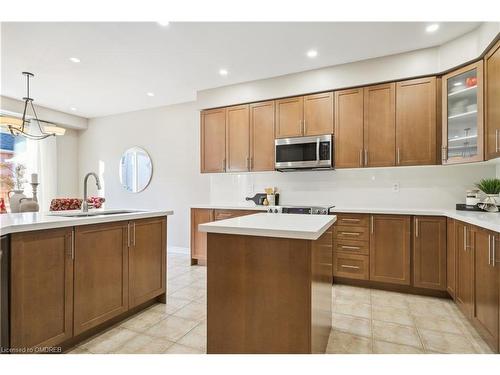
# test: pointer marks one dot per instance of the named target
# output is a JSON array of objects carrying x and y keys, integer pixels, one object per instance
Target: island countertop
[
  {"x": 297, "y": 226},
  {"x": 29, "y": 221}
]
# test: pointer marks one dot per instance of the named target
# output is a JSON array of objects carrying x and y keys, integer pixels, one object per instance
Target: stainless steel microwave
[{"x": 300, "y": 153}]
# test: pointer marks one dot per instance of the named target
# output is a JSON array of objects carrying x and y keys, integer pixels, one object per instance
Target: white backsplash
[{"x": 419, "y": 187}]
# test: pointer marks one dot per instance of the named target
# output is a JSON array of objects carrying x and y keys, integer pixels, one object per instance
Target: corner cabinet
[
  {"x": 462, "y": 110},
  {"x": 492, "y": 101}
]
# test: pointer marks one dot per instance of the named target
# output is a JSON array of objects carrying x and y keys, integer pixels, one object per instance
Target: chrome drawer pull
[
  {"x": 489, "y": 250},
  {"x": 352, "y": 267},
  {"x": 350, "y": 247},
  {"x": 350, "y": 233},
  {"x": 351, "y": 220}
]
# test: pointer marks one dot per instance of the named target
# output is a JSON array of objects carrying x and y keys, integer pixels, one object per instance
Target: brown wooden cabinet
[
  {"x": 304, "y": 115},
  {"x": 451, "y": 255},
  {"x": 416, "y": 128},
  {"x": 379, "y": 125},
  {"x": 290, "y": 117},
  {"x": 238, "y": 139},
  {"x": 491, "y": 101},
  {"x": 390, "y": 249},
  {"x": 41, "y": 288},
  {"x": 349, "y": 128},
  {"x": 101, "y": 273},
  {"x": 429, "y": 252},
  {"x": 213, "y": 140},
  {"x": 318, "y": 114},
  {"x": 147, "y": 259},
  {"x": 262, "y": 136},
  {"x": 486, "y": 287},
  {"x": 464, "y": 295}
]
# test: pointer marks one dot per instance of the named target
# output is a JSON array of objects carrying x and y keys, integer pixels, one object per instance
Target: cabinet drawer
[
  {"x": 351, "y": 247},
  {"x": 352, "y": 266},
  {"x": 358, "y": 220},
  {"x": 342, "y": 232},
  {"x": 229, "y": 214}
]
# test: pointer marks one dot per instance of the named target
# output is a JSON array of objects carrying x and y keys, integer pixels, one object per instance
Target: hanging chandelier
[{"x": 19, "y": 127}]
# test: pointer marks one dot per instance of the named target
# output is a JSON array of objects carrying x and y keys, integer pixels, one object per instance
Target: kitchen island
[
  {"x": 65, "y": 277},
  {"x": 269, "y": 280}
]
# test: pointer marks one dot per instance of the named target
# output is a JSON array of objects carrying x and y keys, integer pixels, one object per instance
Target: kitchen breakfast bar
[{"x": 269, "y": 283}]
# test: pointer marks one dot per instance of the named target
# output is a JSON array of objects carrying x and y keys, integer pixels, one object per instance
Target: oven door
[{"x": 303, "y": 153}]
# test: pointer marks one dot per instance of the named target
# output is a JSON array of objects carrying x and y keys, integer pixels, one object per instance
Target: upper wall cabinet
[
  {"x": 492, "y": 101},
  {"x": 379, "y": 125},
  {"x": 213, "y": 140},
  {"x": 349, "y": 128},
  {"x": 262, "y": 136},
  {"x": 463, "y": 115},
  {"x": 238, "y": 138},
  {"x": 304, "y": 115},
  {"x": 416, "y": 128}
]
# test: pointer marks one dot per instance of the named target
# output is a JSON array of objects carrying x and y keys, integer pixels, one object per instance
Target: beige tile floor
[{"x": 364, "y": 321}]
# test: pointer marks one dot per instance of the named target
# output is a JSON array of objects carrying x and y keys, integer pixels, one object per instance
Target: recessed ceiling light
[
  {"x": 163, "y": 23},
  {"x": 73, "y": 108},
  {"x": 74, "y": 59},
  {"x": 312, "y": 53},
  {"x": 223, "y": 72},
  {"x": 432, "y": 28},
  {"x": 150, "y": 94}
]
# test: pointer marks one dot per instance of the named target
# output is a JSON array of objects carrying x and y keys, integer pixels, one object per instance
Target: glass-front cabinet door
[{"x": 463, "y": 115}]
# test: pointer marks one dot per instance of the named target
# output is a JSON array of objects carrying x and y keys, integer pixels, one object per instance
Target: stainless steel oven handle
[{"x": 317, "y": 151}]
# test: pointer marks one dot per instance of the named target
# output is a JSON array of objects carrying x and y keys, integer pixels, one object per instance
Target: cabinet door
[
  {"x": 491, "y": 100},
  {"x": 101, "y": 273},
  {"x": 416, "y": 122},
  {"x": 318, "y": 114},
  {"x": 379, "y": 125},
  {"x": 451, "y": 262},
  {"x": 464, "y": 290},
  {"x": 349, "y": 128},
  {"x": 238, "y": 138},
  {"x": 463, "y": 115},
  {"x": 199, "y": 239},
  {"x": 41, "y": 288},
  {"x": 262, "y": 136},
  {"x": 486, "y": 285},
  {"x": 147, "y": 260},
  {"x": 290, "y": 117},
  {"x": 429, "y": 252},
  {"x": 390, "y": 249},
  {"x": 213, "y": 140}
]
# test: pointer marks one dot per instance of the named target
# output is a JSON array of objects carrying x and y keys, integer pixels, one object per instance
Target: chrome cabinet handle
[
  {"x": 496, "y": 139},
  {"x": 73, "y": 244},
  {"x": 304, "y": 127},
  {"x": 317, "y": 151},
  {"x": 350, "y": 247},
  {"x": 350, "y": 233},
  {"x": 489, "y": 249},
  {"x": 128, "y": 234},
  {"x": 366, "y": 157},
  {"x": 397, "y": 156},
  {"x": 371, "y": 224},
  {"x": 224, "y": 164},
  {"x": 465, "y": 238},
  {"x": 134, "y": 233},
  {"x": 361, "y": 157},
  {"x": 493, "y": 251},
  {"x": 416, "y": 227},
  {"x": 347, "y": 266}
]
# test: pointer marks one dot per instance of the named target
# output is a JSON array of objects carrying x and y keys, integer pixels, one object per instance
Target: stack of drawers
[{"x": 351, "y": 246}]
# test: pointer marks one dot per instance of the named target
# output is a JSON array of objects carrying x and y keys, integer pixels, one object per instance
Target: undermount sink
[{"x": 90, "y": 213}]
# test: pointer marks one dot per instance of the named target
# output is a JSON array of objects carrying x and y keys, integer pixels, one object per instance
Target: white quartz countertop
[
  {"x": 230, "y": 207},
  {"x": 28, "y": 221},
  {"x": 297, "y": 226}
]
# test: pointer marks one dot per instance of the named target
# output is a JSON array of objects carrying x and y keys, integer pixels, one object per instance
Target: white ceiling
[{"x": 121, "y": 62}]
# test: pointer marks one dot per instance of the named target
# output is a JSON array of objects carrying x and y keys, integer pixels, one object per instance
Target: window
[{"x": 13, "y": 151}]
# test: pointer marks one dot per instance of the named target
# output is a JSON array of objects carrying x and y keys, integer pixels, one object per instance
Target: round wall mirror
[{"x": 136, "y": 169}]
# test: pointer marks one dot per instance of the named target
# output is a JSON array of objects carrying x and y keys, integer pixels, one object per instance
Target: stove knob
[{"x": 275, "y": 210}]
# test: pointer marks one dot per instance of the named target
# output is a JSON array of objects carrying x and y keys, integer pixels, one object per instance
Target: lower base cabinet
[
  {"x": 66, "y": 281},
  {"x": 464, "y": 295},
  {"x": 41, "y": 289},
  {"x": 101, "y": 274},
  {"x": 451, "y": 275},
  {"x": 486, "y": 287},
  {"x": 390, "y": 249}
]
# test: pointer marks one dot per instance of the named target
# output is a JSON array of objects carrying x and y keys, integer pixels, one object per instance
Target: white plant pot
[{"x": 15, "y": 200}]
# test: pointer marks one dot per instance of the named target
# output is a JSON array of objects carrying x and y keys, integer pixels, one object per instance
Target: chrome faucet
[{"x": 85, "y": 205}]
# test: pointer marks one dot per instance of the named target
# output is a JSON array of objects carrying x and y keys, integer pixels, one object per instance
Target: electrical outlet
[{"x": 395, "y": 187}]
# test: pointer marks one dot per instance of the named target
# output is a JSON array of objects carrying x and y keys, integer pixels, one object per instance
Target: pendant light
[{"x": 18, "y": 127}]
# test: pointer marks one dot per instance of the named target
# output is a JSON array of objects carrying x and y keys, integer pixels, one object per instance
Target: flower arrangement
[{"x": 19, "y": 172}]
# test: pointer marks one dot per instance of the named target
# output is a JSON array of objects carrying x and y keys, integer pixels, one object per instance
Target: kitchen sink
[{"x": 90, "y": 213}]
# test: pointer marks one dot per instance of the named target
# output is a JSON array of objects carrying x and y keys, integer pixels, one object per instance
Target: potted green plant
[{"x": 490, "y": 187}]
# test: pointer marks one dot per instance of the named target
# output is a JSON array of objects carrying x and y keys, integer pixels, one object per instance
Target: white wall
[
  {"x": 419, "y": 187},
  {"x": 171, "y": 136}
]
